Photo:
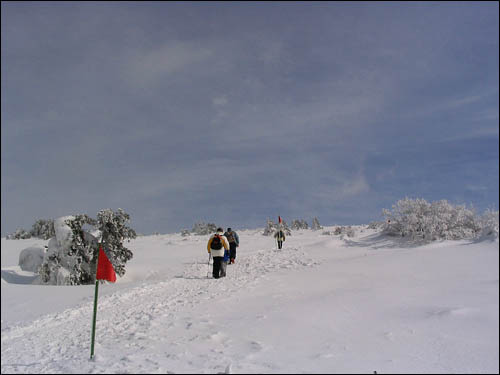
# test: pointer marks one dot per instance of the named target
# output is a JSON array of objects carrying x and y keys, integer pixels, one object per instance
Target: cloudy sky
[{"x": 237, "y": 112}]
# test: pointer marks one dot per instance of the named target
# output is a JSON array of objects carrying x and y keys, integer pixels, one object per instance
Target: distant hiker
[
  {"x": 280, "y": 237},
  {"x": 215, "y": 246},
  {"x": 234, "y": 242}
]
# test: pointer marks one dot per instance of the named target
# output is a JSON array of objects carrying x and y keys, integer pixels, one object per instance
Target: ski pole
[{"x": 208, "y": 271}]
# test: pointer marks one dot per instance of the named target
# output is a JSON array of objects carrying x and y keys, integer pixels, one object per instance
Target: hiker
[
  {"x": 234, "y": 242},
  {"x": 280, "y": 237},
  {"x": 217, "y": 244}
]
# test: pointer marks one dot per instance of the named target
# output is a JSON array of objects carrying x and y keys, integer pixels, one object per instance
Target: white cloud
[
  {"x": 219, "y": 101},
  {"x": 174, "y": 57}
]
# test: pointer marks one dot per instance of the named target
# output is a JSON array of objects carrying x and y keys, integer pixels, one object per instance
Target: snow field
[{"x": 321, "y": 305}]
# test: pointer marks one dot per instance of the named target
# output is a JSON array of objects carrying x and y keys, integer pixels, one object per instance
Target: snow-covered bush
[
  {"x": 489, "y": 224},
  {"x": 299, "y": 224},
  {"x": 43, "y": 229},
  {"x": 71, "y": 257},
  {"x": 349, "y": 231},
  {"x": 185, "y": 233},
  {"x": 375, "y": 225},
  {"x": 419, "y": 219},
  {"x": 202, "y": 229},
  {"x": 71, "y": 254},
  {"x": 19, "y": 234},
  {"x": 272, "y": 227},
  {"x": 315, "y": 224},
  {"x": 114, "y": 230},
  {"x": 31, "y": 258},
  {"x": 344, "y": 230}
]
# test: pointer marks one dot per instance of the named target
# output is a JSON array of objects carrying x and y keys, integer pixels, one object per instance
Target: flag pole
[
  {"x": 95, "y": 302},
  {"x": 94, "y": 319},
  {"x": 104, "y": 271}
]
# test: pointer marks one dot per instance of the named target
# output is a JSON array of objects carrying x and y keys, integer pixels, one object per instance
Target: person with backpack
[
  {"x": 280, "y": 237},
  {"x": 234, "y": 242},
  {"x": 217, "y": 244}
]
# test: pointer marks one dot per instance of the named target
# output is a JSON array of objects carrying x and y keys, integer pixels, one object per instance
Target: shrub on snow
[
  {"x": 43, "y": 229},
  {"x": 489, "y": 224},
  {"x": 347, "y": 230},
  {"x": 375, "y": 225},
  {"x": 315, "y": 224},
  {"x": 19, "y": 234},
  {"x": 419, "y": 219},
  {"x": 70, "y": 254},
  {"x": 299, "y": 224},
  {"x": 272, "y": 227},
  {"x": 114, "y": 230},
  {"x": 71, "y": 257},
  {"x": 203, "y": 229}
]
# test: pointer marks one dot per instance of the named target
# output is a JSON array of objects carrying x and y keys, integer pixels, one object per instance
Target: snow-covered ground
[{"x": 322, "y": 304}]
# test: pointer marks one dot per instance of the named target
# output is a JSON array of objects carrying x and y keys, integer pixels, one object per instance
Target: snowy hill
[{"x": 321, "y": 304}]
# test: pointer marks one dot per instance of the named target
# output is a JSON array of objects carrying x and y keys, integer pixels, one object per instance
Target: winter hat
[
  {"x": 229, "y": 229},
  {"x": 220, "y": 230}
]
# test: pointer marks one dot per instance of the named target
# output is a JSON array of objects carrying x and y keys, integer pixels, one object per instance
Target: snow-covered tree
[
  {"x": 43, "y": 229},
  {"x": 419, "y": 219},
  {"x": 202, "y": 229},
  {"x": 71, "y": 254},
  {"x": 344, "y": 230},
  {"x": 375, "y": 225},
  {"x": 272, "y": 227},
  {"x": 185, "y": 233},
  {"x": 299, "y": 224},
  {"x": 114, "y": 230},
  {"x": 71, "y": 257},
  {"x": 489, "y": 223},
  {"x": 82, "y": 252},
  {"x": 315, "y": 224},
  {"x": 19, "y": 234}
]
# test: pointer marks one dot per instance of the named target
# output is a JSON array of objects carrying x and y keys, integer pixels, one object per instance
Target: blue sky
[{"x": 237, "y": 112}]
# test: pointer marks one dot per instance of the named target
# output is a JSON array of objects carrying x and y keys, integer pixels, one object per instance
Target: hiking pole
[{"x": 208, "y": 271}]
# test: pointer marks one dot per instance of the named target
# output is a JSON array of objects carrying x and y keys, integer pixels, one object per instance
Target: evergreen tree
[
  {"x": 303, "y": 224},
  {"x": 202, "y": 229},
  {"x": 83, "y": 251},
  {"x": 112, "y": 226},
  {"x": 272, "y": 227},
  {"x": 72, "y": 255},
  {"x": 49, "y": 268},
  {"x": 315, "y": 224},
  {"x": 299, "y": 224},
  {"x": 43, "y": 229}
]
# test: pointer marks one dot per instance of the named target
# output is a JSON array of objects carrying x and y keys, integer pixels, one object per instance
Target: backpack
[
  {"x": 230, "y": 237},
  {"x": 216, "y": 243}
]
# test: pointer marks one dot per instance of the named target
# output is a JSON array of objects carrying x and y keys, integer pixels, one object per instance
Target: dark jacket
[
  {"x": 279, "y": 235},
  {"x": 232, "y": 237}
]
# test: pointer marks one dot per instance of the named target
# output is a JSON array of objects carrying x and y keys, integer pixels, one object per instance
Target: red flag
[
  {"x": 279, "y": 218},
  {"x": 105, "y": 269}
]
